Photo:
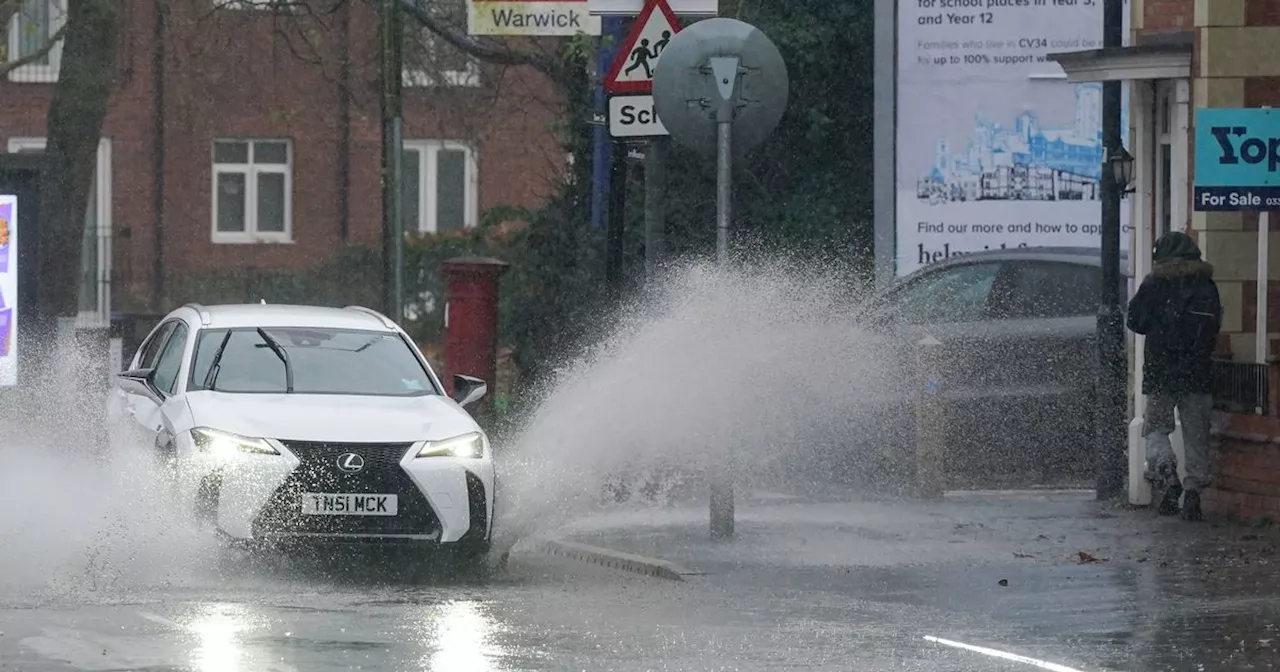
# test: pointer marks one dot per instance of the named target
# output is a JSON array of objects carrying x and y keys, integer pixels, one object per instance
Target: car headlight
[
  {"x": 226, "y": 444},
  {"x": 468, "y": 445}
]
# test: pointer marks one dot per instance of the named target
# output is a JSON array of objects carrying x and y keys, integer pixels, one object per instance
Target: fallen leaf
[{"x": 1086, "y": 558}]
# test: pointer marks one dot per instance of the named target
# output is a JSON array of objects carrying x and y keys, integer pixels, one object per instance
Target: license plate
[{"x": 344, "y": 504}]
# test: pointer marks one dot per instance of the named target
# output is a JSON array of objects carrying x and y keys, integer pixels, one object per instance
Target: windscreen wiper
[
  {"x": 284, "y": 357},
  {"x": 212, "y": 377}
]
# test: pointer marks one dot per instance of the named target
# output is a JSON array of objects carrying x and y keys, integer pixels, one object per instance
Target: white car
[{"x": 306, "y": 424}]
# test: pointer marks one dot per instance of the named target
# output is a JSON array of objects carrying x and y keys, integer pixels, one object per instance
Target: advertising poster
[
  {"x": 8, "y": 291},
  {"x": 994, "y": 147}
]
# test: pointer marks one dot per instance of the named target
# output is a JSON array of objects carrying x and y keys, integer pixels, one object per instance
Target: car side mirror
[
  {"x": 138, "y": 380},
  {"x": 467, "y": 390}
]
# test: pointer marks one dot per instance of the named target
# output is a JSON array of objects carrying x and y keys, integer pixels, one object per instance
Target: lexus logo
[{"x": 350, "y": 462}]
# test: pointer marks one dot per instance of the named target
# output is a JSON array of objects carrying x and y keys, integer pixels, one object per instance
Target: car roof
[
  {"x": 1074, "y": 255},
  {"x": 231, "y": 316}
]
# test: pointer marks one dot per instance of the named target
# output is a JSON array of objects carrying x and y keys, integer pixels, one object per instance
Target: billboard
[
  {"x": 994, "y": 148},
  {"x": 8, "y": 290}
]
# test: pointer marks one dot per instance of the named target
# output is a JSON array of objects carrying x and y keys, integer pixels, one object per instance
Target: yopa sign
[
  {"x": 546, "y": 18},
  {"x": 1237, "y": 159}
]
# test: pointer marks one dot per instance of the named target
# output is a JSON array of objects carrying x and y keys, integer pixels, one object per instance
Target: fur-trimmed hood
[
  {"x": 1182, "y": 268},
  {"x": 1176, "y": 255}
]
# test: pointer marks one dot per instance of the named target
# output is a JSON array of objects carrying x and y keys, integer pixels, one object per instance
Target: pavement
[{"x": 1052, "y": 575}]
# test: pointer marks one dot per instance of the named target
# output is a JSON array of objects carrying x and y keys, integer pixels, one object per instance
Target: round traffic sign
[{"x": 685, "y": 93}]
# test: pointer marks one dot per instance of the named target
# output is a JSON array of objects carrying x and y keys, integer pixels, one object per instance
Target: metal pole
[
  {"x": 611, "y": 35},
  {"x": 390, "y": 53},
  {"x": 615, "y": 239},
  {"x": 1264, "y": 252},
  {"x": 397, "y": 219},
  {"x": 724, "y": 184},
  {"x": 724, "y": 70},
  {"x": 722, "y": 513},
  {"x": 1109, "y": 418},
  {"x": 655, "y": 183}
]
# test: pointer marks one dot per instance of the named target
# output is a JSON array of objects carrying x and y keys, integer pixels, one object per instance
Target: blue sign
[{"x": 1237, "y": 159}]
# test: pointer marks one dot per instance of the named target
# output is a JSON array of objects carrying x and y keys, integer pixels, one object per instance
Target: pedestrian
[{"x": 1178, "y": 310}]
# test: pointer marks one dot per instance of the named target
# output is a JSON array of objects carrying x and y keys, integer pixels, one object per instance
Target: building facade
[
  {"x": 1183, "y": 55},
  {"x": 246, "y": 136}
]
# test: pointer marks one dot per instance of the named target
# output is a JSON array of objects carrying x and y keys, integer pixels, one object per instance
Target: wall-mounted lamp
[{"x": 1121, "y": 163}]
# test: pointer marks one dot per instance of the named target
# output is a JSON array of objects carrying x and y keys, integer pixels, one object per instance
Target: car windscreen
[{"x": 319, "y": 361}]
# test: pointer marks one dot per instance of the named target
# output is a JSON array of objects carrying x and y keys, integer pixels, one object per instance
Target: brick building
[
  {"x": 240, "y": 139},
  {"x": 1182, "y": 55}
]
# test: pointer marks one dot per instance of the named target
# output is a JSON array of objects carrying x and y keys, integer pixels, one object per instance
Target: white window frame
[
  {"x": 39, "y": 74},
  {"x": 428, "y": 184},
  {"x": 251, "y": 170},
  {"x": 469, "y": 77},
  {"x": 102, "y": 215}
]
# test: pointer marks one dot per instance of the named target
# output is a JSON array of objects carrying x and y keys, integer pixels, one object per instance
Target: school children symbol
[{"x": 632, "y": 69}]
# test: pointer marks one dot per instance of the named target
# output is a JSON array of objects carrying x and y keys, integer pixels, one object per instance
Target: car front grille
[{"x": 318, "y": 472}]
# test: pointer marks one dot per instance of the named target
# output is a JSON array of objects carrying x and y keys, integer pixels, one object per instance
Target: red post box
[{"x": 471, "y": 321}]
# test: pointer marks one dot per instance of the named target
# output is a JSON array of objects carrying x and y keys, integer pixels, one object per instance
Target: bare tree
[{"x": 87, "y": 39}]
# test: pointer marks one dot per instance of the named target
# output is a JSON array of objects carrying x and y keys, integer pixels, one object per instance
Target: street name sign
[
  {"x": 541, "y": 18},
  {"x": 1237, "y": 159},
  {"x": 633, "y": 67},
  {"x": 634, "y": 117}
]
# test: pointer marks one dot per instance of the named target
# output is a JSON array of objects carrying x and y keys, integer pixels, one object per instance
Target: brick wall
[
  {"x": 237, "y": 74},
  {"x": 1162, "y": 15},
  {"x": 1245, "y": 464},
  {"x": 1262, "y": 13}
]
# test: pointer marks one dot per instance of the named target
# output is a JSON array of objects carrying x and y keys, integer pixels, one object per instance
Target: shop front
[{"x": 1227, "y": 55}]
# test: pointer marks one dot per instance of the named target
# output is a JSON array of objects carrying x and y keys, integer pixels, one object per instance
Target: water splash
[
  {"x": 80, "y": 508},
  {"x": 766, "y": 359}
]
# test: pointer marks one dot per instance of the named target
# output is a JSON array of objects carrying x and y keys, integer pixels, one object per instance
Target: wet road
[{"x": 541, "y": 614}]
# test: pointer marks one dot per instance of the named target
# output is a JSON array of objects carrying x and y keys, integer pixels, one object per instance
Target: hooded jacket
[{"x": 1178, "y": 309}]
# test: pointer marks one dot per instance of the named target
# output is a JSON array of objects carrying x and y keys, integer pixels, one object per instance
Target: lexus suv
[{"x": 288, "y": 424}]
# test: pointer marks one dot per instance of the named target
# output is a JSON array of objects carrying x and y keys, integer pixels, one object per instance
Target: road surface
[{"x": 543, "y": 613}]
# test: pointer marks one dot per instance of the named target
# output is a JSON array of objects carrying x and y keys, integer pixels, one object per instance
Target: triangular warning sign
[{"x": 633, "y": 67}]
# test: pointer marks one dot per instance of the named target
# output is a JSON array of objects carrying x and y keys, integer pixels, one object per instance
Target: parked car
[
  {"x": 296, "y": 424},
  {"x": 1018, "y": 331}
]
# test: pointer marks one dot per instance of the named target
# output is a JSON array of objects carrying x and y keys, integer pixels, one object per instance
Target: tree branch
[
  {"x": 473, "y": 47},
  {"x": 36, "y": 55}
]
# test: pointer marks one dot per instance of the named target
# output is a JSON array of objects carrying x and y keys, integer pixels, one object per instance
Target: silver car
[{"x": 1018, "y": 328}]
